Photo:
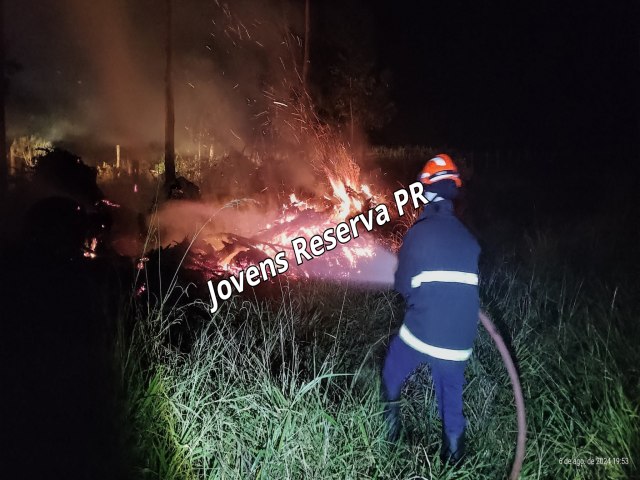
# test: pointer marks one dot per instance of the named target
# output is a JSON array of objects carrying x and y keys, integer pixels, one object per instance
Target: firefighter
[{"x": 437, "y": 275}]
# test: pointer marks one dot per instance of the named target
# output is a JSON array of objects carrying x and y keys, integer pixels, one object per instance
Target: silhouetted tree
[
  {"x": 350, "y": 90},
  {"x": 358, "y": 96},
  {"x": 63, "y": 172},
  {"x": 169, "y": 141},
  {"x": 4, "y": 168},
  {"x": 307, "y": 34}
]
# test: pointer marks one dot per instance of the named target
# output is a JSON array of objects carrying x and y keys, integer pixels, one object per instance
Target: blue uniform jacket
[{"x": 438, "y": 275}]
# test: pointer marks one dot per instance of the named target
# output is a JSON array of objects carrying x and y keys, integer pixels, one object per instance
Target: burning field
[
  {"x": 206, "y": 291},
  {"x": 270, "y": 167},
  {"x": 327, "y": 234},
  {"x": 242, "y": 232}
]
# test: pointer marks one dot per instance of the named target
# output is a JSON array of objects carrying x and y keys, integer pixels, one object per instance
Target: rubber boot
[
  {"x": 392, "y": 419},
  {"x": 452, "y": 447}
]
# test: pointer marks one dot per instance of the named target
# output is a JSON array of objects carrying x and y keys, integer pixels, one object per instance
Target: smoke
[
  {"x": 244, "y": 217},
  {"x": 93, "y": 72},
  {"x": 362, "y": 260},
  {"x": 375, "y": 269},
  {"x": 93, "y": 78},
  {"x": 97, "y": 79}
]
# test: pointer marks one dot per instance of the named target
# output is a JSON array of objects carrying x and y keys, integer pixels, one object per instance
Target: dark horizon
[{"x": 540, "y": 76}]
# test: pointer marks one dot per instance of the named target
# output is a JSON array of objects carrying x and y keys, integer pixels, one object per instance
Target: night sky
[{"x": 537, "y": 75}]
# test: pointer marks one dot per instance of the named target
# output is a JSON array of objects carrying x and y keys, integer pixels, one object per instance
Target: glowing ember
[
  {"x": 141, "y": 289},
  {"x": 109, "y": 203},
  {"x": 253, "y": 236},
  {"x": 90, "y": 248},
  {"x": 300, "y": 218},
  {"x": 141, "y": 262}
]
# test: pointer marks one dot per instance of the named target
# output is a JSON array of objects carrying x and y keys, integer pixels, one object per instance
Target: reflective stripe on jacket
[{"x": 438, "y": 276}]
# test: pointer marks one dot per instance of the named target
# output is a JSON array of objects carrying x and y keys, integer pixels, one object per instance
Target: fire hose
[{"x": 517, "y": 394}]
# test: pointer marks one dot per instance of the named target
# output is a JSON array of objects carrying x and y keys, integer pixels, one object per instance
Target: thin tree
[
  {"x": 4, "y": 168},
  {"x": 169, "y": 126},
  {"x": 307, "y": 33}
]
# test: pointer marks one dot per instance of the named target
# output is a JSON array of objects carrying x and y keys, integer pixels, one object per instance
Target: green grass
[
  {"x": 288, "y": 388},
  {"x": 285, "y": 385}
]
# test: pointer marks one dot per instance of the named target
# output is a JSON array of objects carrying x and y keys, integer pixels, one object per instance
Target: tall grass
[{"x": 289, "y": 388}]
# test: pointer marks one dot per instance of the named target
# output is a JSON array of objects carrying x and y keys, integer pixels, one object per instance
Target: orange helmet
[{"x": 440, "y": 167}]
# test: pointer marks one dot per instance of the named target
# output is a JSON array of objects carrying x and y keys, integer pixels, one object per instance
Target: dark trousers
[{"x": 448, "y": 381}]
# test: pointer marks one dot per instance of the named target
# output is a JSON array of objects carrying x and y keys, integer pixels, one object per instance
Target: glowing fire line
[{"x": 302, "y": 218}]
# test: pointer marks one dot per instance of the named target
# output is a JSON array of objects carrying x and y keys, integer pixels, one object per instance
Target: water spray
[{"x": 517, "y": 394}]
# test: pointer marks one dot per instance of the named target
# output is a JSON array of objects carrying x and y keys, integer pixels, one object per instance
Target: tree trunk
[
  {"x": 351, "y": 113},
  {"x": 307, "y": 33},
  {"x": 169, "y": 141},
  {"x": 4, "y": 167}
]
